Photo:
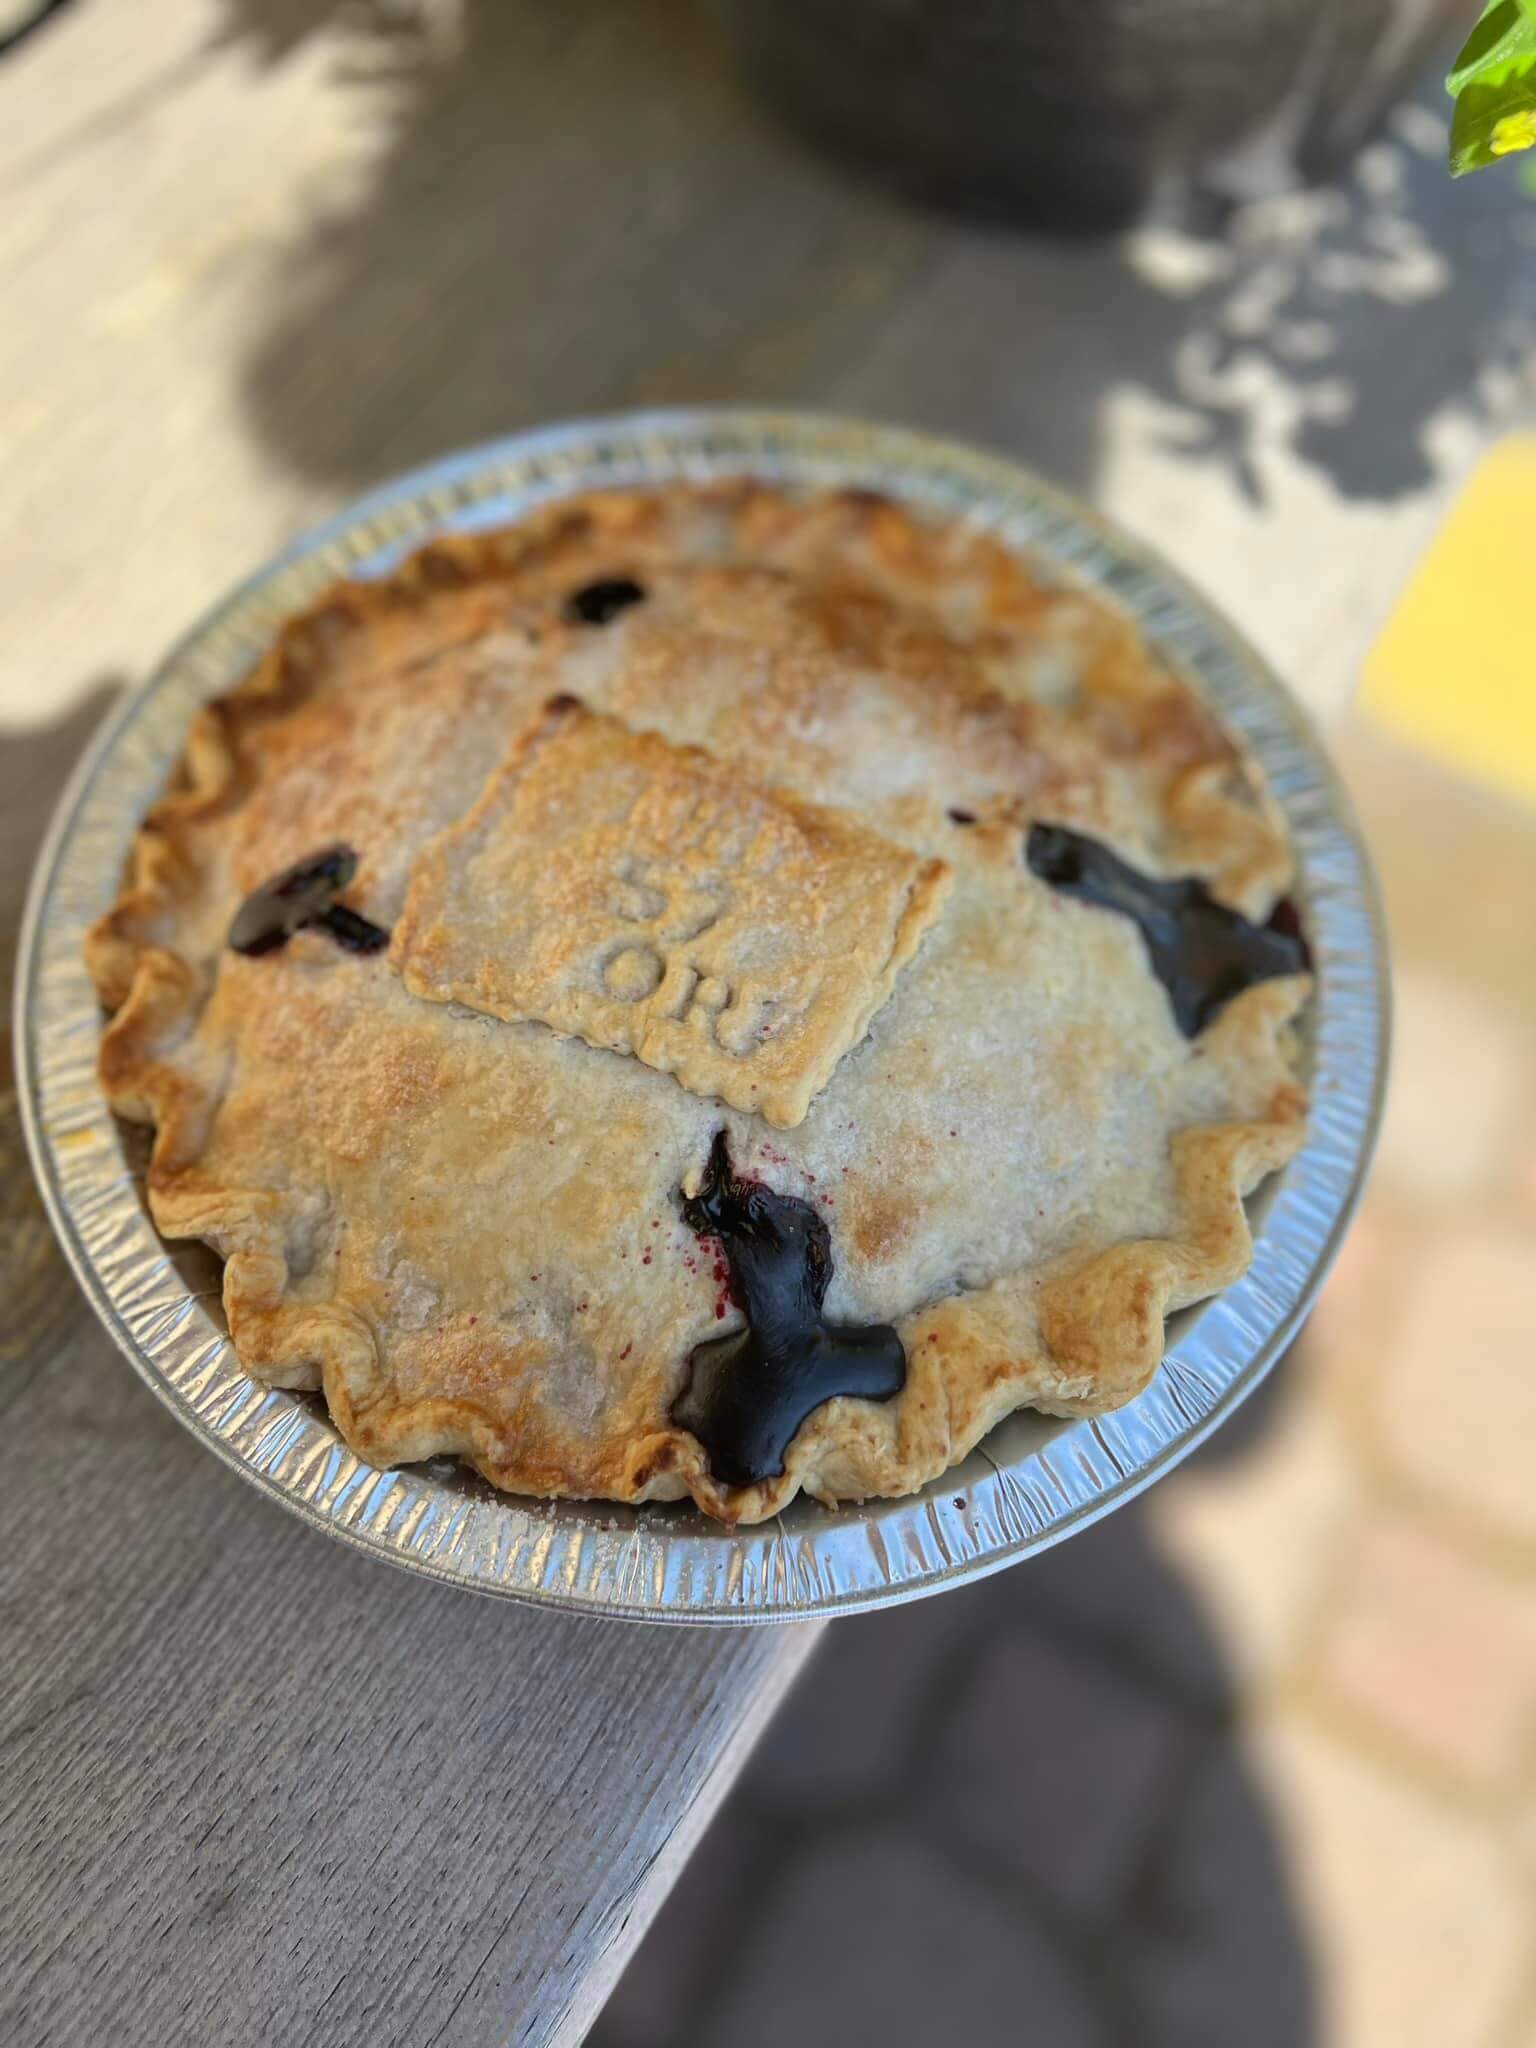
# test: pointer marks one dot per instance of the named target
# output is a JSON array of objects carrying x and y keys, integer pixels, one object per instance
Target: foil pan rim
[{"x": 1034, "y": 1481}]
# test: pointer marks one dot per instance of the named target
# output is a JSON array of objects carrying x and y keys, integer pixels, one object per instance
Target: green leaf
[
  {"x": 1494, "y": 85},
  {"x": 1506, "y": 32}
]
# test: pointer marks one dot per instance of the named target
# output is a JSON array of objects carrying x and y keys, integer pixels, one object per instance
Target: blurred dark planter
[
  {"x": 1077, "y": 114},
  {"x": 18, "y": 18}
]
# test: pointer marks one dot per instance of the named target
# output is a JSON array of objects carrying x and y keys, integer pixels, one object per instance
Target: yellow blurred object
[
  {"x": 1515, "y": 131},
  {"x": 1454, "y": 671}
]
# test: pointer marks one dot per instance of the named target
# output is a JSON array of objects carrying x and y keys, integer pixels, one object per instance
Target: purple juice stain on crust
[
  {"x": 748, "y": 1393},
  {"x": 304, "y": 897},
  {"x": 1203, "y": 953}
]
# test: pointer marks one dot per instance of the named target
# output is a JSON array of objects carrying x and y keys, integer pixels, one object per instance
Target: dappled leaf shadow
[
  {"x": 578, "y": 208},
  {"x": 1344, "y": 323}
]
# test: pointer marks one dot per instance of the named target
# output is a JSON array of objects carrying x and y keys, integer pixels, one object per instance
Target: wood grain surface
[{"x": 255, "y": 255}]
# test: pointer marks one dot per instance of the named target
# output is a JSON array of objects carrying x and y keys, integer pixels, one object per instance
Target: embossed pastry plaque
[{"x": 654, "y": 901}]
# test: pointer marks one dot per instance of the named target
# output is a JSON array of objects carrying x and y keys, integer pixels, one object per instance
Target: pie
[{"x": 710, "y": 991}]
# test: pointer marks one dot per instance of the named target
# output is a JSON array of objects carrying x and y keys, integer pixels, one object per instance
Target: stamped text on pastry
[{"x": 655, "y": 901}]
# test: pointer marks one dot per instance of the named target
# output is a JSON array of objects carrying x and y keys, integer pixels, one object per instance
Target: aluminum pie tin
[{"x": 1035, "y": 1480}]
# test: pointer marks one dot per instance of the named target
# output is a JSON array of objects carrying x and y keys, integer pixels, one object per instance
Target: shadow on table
[
  {"x": 40, "y": 1299},
  {"x": 1016, "y": 1812},
  {"x": 35, "y": 763},
  {"x": 679, "y": 248}
]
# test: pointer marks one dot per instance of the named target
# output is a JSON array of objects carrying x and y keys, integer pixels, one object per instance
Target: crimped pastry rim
[{"x": 1034, "y": 1505}]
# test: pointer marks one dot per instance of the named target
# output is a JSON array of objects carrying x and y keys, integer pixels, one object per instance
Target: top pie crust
[{"x": 747, "y": 858}]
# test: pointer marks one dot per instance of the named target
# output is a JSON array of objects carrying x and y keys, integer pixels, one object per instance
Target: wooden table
[{"x": 257, "y": 1789}]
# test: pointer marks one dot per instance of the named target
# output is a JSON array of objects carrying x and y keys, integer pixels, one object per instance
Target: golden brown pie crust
[{"x": 445, "y": 1180}]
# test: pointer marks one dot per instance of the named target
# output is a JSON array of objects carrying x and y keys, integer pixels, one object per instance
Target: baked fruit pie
[{"x": 710, "y": 991}]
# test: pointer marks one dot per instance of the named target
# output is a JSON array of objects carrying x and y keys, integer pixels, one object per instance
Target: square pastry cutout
[{"x": 655, "y": 901}]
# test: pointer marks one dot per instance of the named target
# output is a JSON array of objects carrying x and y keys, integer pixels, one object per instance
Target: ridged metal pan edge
[{"x": 1035, "y": 1481}]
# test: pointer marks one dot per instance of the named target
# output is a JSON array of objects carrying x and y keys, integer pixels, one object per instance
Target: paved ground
[
  {"x": 1255, "y": 1761},
  {"x": 1018, "y": 1813}
]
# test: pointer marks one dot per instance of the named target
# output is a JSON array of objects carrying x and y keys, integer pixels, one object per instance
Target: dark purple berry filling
[
  {"x": 1203, "y": 953},
  {"x": 596, "y": 603},
  {"x": 305, "y": 896},
  {"x": 748, "y": 1393}
]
